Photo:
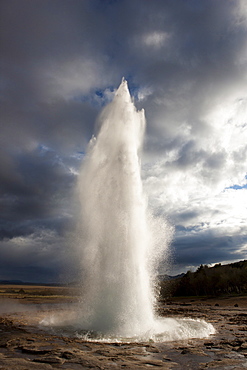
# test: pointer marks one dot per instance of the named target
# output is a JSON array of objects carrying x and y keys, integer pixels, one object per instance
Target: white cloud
[
  {"x": 144, "y": 92},
  {"x": 155, "y": 39},
  {"x": 191, "y": 184}
]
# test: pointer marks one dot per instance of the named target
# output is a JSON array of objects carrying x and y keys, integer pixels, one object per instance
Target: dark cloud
[
  {"x": 60, "y": 63},
  {"x": 207, "y": 248}
]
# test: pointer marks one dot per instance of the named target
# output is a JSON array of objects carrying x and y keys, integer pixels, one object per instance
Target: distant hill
[
  {"x": 14, "y": 282},
  {"x": 20, "y": 282},
  {"x": 169, "y": 277},
  {"x": 209, "y": 281}
]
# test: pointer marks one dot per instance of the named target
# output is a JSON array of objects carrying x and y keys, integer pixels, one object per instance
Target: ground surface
[{"x": 24, "y": 345}]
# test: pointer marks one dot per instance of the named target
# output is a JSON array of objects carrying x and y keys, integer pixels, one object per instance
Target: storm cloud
[{"x": 186, "y": 65}]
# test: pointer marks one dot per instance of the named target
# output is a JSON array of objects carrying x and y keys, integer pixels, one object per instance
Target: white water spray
[
  {"x": 115, "y": 231},
  {"x": 119, "y": 247},
  {"x": 118, "y": 238}
]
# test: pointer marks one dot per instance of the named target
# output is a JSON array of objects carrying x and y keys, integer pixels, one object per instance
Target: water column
[
  {"x": 114, "y": 232},
  {"x": 119, "y": 241}
]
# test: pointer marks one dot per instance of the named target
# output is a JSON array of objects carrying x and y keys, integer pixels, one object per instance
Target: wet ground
[{"x": 25, "y": 345}]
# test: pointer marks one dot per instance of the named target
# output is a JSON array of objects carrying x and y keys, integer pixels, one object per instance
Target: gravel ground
[{"x": 24, "y": 345}]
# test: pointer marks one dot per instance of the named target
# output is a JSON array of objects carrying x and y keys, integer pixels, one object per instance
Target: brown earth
[{"x": 24, "y": 345}]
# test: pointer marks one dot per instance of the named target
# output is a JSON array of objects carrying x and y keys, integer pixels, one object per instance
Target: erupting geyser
[
  {"x": 119, "y": 240},
  {"x": 115, "y": 230},
  {"x": 117, "y": 234}
]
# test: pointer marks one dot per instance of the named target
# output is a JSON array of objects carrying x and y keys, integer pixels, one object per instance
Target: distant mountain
[
  {"x": 169, "y": 277},
  {"x": 14, "y": 282},
  {"x": 20, "y": 282}
]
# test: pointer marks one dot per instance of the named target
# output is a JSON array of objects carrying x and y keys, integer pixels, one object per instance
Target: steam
[{"x": 120, "y": 242}]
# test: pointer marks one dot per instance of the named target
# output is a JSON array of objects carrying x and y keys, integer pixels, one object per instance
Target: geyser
[
  {"x": 119, "y": 240},
  {"x": 115, "y": 234}
]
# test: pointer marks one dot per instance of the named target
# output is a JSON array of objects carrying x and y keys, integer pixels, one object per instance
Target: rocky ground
[{"x": 24, "y": 345}]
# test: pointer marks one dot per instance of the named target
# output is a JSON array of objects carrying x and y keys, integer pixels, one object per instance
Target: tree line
[{"x": 209, "y": 281}]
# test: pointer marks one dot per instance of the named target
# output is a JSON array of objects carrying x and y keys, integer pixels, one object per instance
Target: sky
[{"x": 186, "y": 65}]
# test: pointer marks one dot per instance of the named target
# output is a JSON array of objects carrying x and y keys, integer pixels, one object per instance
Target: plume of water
[
  {"x": 115, "y": 231},
  {"x": 120, "y": 242}
]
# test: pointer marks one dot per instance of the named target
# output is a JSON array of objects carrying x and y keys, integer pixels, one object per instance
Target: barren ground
[{"x": 24, "y": 345}]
